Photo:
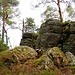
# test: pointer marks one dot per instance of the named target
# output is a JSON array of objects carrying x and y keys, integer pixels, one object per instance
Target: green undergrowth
[
  {"x": 39, "y": 61},
  {"x": 25, "y": 66},
  {"x": 73, "y": 68},
  {"x": 3, "y": 53}
]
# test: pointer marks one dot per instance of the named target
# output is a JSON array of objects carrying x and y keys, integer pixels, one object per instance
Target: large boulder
[
  {"x": 50, "y": 35},
  {"x": 18, "y": 54},
  {"x": 54, "y": 60},
  {"x": 59, "y": 60},
  {"x": 70, "y": 57},
  {"x": 29, "y": 39}
]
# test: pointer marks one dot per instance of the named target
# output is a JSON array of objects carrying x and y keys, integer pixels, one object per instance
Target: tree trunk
[
  {"x": 61, "y": 20},
  {"x": 4, "y": 18},
  {"x": 60, "y": 13},
  {"x": 6, "y": 39},
  {"x": 23, "y": 27},
  {"x": 3, "y": 23}
]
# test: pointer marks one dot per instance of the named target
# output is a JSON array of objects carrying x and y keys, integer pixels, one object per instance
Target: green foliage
[
  {"x": 3, "y": 46},
  {"x": 9, "y": 22},
  {"x": 70, "y": 11},
  {"x": 10, "y": 2},
  {"x": 30, "y": 25},
  {"x": 50, "y": 12},
  {"x": 6, "y": 9},
  {"x": 30, "y": 22}
]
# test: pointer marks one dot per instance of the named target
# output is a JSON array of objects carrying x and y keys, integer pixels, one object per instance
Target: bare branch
[{"x": 44, "y": 2}]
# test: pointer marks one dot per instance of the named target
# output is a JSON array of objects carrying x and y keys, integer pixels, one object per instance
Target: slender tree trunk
[
  {"x": 60, "y": 13},
  {"x": 61, "y": 20},
  {"x": 23, "y": 27},
  {"x": 3, "y": 23},
  {"x": 6, "y": 39},
  {"x": 4, "y": 18}
]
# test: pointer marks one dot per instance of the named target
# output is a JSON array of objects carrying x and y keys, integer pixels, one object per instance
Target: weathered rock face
[
  {"x": 22, "y": 61},
  {"x": 70, "y": 57},
  {"x": 54, "y": 59},
  {"x": 51, "y": 35},
  {"x": 70, "y": 43},
  {"x": 29, "y": 39},
  {"x": 18, "y": 54},
  {"x": 59, "y": 60}
]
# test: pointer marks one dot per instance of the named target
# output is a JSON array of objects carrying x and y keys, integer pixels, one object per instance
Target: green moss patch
[{"x": 39, "y": 61}]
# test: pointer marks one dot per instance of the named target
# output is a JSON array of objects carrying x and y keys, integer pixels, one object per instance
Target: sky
[{"x": 26, "y": 10}]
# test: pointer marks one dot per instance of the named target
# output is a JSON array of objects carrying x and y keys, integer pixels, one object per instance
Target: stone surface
[
  {"x": 52, "y": 62},
  {"x": 59, "y": 60},
  {"x": 29, "y": 39},
  {"x": 50, "y": 35},
  {"x": 70, "y": 57},
  {"x": 54, "y": 59}
]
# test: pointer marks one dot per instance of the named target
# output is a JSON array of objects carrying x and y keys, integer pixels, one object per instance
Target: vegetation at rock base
[{"x": 29, "y": 64}]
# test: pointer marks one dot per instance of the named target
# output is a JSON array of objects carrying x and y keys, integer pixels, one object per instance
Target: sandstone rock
[
  {"x": 29, "y": 39},
  {"x": 54, "y": 59},
  {"x": 58, "y": 57},
  {"x": 59, "y": 60},
  {"x": 19, "y": 54},
  {"x": 50, "y": 35},
  {"x": 70, "y": 57},
  {"x": 25, "y": 51}
]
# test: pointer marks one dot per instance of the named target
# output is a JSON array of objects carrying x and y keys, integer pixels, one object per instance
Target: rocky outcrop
[
  {"x": 53, "y": 33},
  {"x": 29, "y": 39},
  {"x": 49, "y": 34},
  {"x": 54, "y": 59}
]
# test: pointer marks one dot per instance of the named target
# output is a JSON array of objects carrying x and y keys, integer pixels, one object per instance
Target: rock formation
[
  {"x": 52, "y": 62},
  {"x": 29, "y": 39},
  {"x": 53, "y": 33},
  {"x": 70, "y": 57}
]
